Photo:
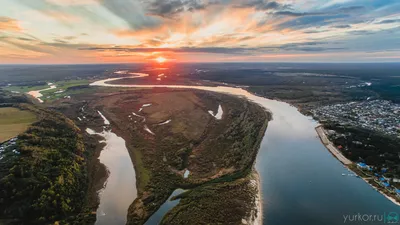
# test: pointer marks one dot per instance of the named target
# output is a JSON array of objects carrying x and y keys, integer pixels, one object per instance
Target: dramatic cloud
[
  {"x": 298, "y": 14},
  {"x": 9, "y": 24},
  {"x": 217, "y": 50},
  {"x": 310, "y": 47},
  {"x": 132, "y": 12},
  {"x": 342, "y": 26},
  {"x": 300, "y": 47},
  {"x": 341, "y": 10},
  {"x": 389, "y": 21},
  {"x": 262, "y": 5},
  {"x": 136, "y": 30},
  {"x": 332, "y": 16},
  {"x": 170, "y": 8}
]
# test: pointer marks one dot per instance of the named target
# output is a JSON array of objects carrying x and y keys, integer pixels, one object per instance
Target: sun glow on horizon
[{"x": 161, "y": 59}]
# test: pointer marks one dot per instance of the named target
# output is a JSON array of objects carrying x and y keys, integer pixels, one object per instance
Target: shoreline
[
  {"x": 37, "y": 95},
  {"x": 259, "y": 200},
  {"x": 331, "y": 148},
  {"x": 394, "y": 201},
  {"x": 339, "y": 156}
]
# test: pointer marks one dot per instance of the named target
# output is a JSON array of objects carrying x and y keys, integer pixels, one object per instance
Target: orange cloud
[{"x": 9, "y": 24}]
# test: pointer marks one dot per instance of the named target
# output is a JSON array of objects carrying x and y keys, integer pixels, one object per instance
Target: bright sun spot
[{"x": 161, "y": 59}]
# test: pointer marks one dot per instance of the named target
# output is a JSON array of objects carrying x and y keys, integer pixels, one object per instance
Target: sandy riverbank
[
  {"x": 256, "y": 214},
  {"x": 38, "y": 95},
  {"x": 259, "y": 219},
  {"x": 328, "y": 144}
]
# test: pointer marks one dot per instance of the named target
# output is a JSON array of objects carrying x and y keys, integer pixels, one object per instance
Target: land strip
[{"x": 328, "y": 144}]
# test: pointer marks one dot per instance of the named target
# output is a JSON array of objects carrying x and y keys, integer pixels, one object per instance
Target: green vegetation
[
  {"x": 217, "y": 152},
  {"x": 219, "y": 203},
  {"x": 25, "y": 88},
  {"x": 47, "y": 181},
  {"x": 8, "y": 98},
  {"x": 375, "y": 149},
  {"x": 14, "y": 121},
  {"x": 389, "y": 90},
  {"x": 64, "y": 88}
]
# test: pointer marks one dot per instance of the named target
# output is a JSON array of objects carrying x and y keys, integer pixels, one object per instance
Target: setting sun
[{"x": 161, "y": 59}]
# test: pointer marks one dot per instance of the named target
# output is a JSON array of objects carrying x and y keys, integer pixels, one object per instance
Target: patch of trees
[
  {"x": 78, "y": 87},
  {"x": 387, "y": 90},
  {"x": 373, "y": 148},
  {"x": 47, "y": 181},
  {"x": 7, "y": 98},
  {"x": 217, "y": 203}
]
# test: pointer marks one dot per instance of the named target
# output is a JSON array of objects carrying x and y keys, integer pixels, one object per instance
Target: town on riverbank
[{"x": 381, "y": 179}]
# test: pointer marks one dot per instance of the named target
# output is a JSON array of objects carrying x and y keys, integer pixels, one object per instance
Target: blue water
[
  {"x": 168, "y": 205},
  {"x": 302, "y": 181}
]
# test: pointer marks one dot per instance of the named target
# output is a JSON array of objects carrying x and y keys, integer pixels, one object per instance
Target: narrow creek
[
  {"x": 168, "y": 205},
  {"x": 119, "y": 190}
]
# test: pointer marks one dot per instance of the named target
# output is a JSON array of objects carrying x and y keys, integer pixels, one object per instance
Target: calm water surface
[
  {"x": 120, "y": 188},
  {"x": 168, "y": 205}
]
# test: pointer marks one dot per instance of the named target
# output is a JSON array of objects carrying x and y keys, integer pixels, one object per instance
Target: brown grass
[{"x": 14, "y": 121}]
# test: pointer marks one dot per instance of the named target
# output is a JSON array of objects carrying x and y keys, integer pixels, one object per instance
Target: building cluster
[
  {"x": 8, "y": 145},
  {"x": 376, "y": 115},
  {"x": 380, "y": 177}
]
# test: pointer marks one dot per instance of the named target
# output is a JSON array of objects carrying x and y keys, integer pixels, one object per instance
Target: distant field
[
  {"x": 52, "y": 94},
  {"x": 61, "y": 89},
  {"x": 13, "y": 122},
  {"x": 63, "y": 85}
]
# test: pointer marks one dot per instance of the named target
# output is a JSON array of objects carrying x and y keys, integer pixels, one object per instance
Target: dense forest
[
  {"x": 47, "y": 180},
  {"x": 227, "y": 202},
  {"x": 7, "y": 97}
]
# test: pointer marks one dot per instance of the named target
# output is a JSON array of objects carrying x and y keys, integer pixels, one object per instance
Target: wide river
[{"x": 302, "y": 182}]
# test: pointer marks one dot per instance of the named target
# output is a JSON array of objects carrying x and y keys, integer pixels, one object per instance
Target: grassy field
[
  {"x": 64, "y": 85},
  {"x": 25, "y": 89},
  {"x": 62, "y": 89},
  {"x": 53, "y": 94},
  {"x": 14, "y": 121}
]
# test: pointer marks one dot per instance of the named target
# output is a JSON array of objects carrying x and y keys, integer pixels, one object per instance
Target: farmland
[{"x": 13, "y": 121}]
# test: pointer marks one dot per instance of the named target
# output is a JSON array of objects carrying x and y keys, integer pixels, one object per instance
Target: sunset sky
[{"x": 108, "y": 31}]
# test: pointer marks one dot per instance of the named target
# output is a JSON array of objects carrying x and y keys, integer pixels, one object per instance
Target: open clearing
[{"x": 14, "y": 121}]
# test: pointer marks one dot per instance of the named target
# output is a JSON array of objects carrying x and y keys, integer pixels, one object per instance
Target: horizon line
[{"x": 172, "y": 63}]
